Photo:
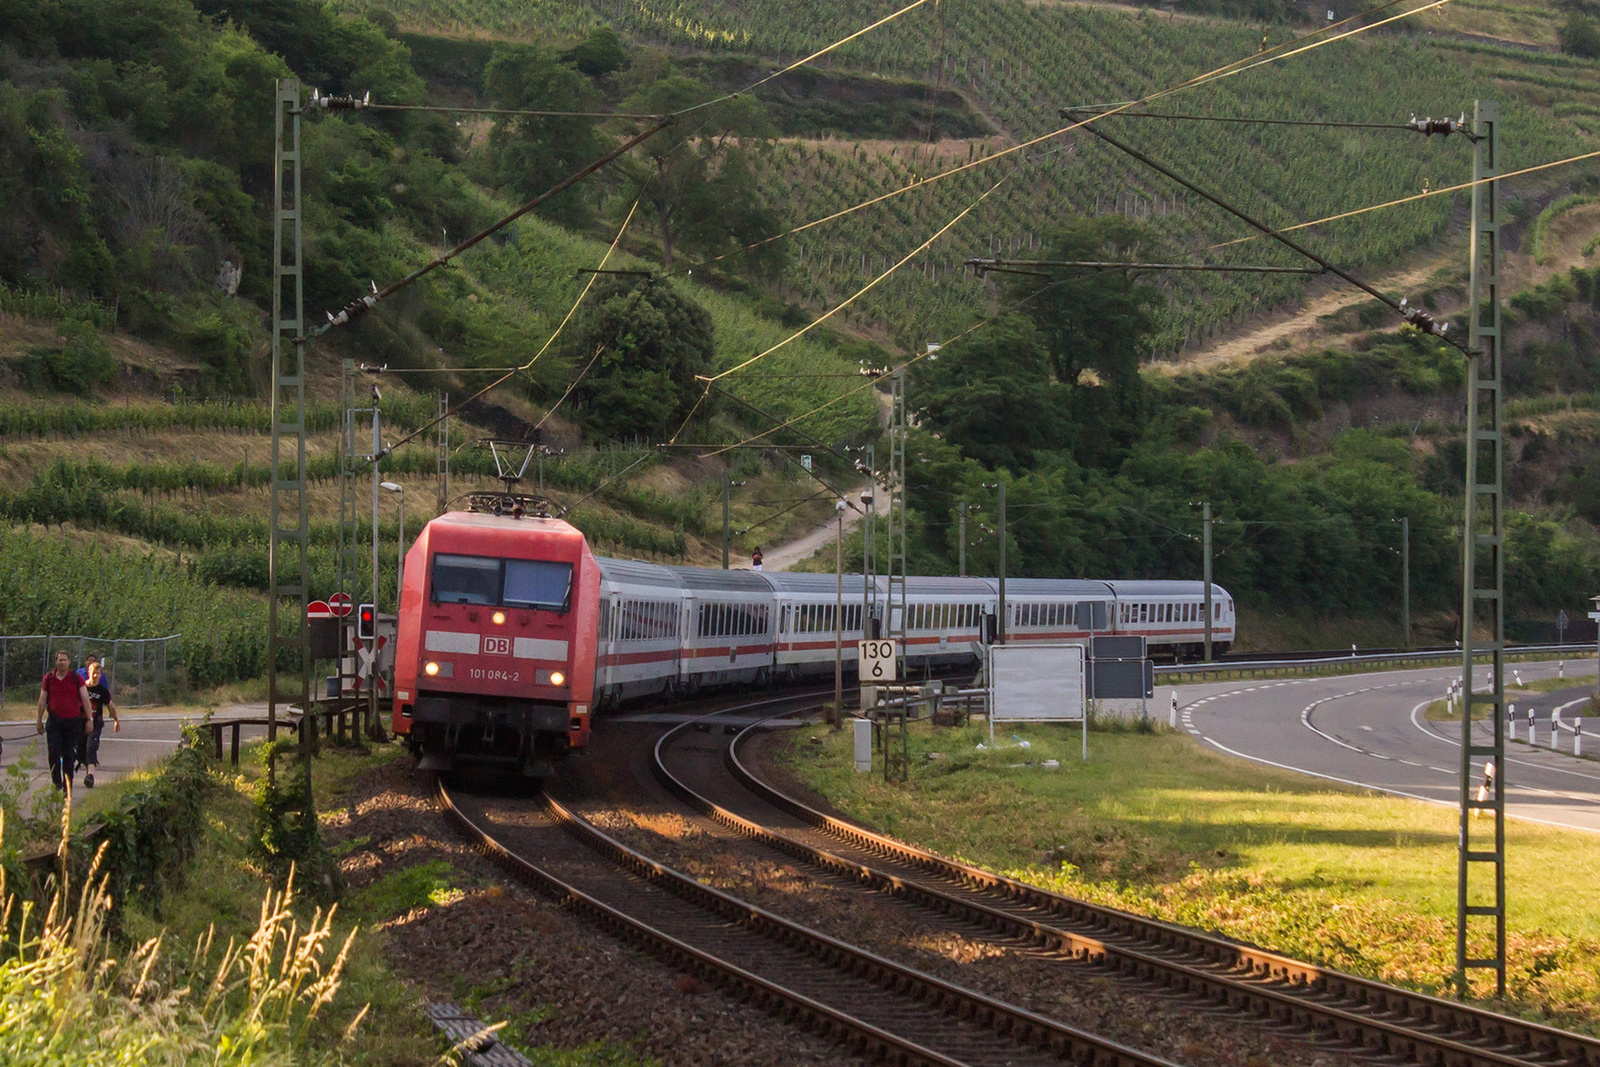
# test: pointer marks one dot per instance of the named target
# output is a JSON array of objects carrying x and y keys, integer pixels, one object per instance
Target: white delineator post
[
  {"x": 1174, "y": 711},
  {"x": 863, "y": 744}
]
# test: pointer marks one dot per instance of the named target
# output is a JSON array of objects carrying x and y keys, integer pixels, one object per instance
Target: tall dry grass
[{"x": 67, "y": 995}]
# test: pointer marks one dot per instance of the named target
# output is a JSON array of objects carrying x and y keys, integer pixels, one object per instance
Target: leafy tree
[
  {"x": 532, "y": 154},
  {"x": 1095, "y": 327},
  {"x": 652, "y": 342},
  {"x": 992, "y": 396},
  {"x": 697, "y": 178}
]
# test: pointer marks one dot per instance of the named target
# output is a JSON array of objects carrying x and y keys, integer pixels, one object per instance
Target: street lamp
[{"x": 399, "y": 544}]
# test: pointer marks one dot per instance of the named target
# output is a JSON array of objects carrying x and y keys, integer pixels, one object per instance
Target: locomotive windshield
[
  {"x": 537, "y": 583},
  {"x": 515, "y": 583}
]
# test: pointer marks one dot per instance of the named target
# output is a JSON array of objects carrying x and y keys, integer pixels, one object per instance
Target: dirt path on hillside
[
  {"x": 1564, "y": 242},
  {"x": 1297, "y": 326},
  {"x": 783, "y": 557}
]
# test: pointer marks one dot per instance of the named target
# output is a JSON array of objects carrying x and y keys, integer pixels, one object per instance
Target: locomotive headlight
[
  {"x": 499, "y": 618},
  {"x": 557, "y": 678},
  {"x": 431, "y": 669}
]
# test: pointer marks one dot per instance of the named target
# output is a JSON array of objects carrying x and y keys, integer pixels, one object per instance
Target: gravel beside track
[
  {"x": 1360, "y": 1013},
  {"x": 877, "y": 1006},
  {"x": 563, "y": 983}
]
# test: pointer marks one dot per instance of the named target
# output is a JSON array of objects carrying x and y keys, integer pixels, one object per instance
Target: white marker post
[
  {"x": 1533, "y": 728},
  {"x": 1555, "y": 732},
  {"x": 1174, "y": 711},
  {"x": 1511, "y": 719},
  {"x": 1577, "y": 737}
]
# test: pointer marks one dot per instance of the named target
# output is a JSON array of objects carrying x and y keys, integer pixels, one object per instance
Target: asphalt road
[
  {"x": 1370, "y": 730},
  {"x": 144, "y": 738}
]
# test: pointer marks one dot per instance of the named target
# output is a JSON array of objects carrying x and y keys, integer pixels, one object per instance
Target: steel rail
[
  {"x": 1028, "y": 1029},
  {"x": 1379, "y": 1018}
]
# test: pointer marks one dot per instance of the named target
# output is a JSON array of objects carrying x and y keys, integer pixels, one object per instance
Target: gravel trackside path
[{"x": 565, "y": 984}]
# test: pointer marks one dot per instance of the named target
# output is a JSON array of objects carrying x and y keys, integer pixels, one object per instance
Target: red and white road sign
[
  {"x": 341, "y": 604},
  {"x": 319, "y": 609},
  {"x": 368, "y": 659}
]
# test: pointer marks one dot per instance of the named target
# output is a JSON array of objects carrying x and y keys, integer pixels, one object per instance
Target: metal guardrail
[
  {"x": 142, "y": 670},
  {"x": 1341, "y": 664}
]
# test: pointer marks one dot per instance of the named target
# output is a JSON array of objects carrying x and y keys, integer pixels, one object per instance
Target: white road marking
[
  {"x": 1521, "y": 763},
  {"x": 1394, "y": 792}
]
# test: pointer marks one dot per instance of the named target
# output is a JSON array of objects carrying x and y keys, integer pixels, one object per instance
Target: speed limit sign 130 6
[{"x": 876, "y": 661}]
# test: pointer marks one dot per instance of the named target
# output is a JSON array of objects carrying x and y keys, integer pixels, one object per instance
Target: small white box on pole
[{"x": 863, "y": 740}]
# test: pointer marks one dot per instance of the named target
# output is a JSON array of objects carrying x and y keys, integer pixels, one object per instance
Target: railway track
[
  {"x": 1357, "y": 1014},
  {"x": 877, "y": 1007}
]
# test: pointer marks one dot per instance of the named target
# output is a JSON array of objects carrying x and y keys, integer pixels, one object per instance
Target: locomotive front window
[
  {"x": 466, "y": 580},
  {"x": 512, "y": 583},
  {"x": 538, "y": 583}
]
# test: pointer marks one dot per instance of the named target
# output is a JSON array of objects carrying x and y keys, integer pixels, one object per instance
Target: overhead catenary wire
[
  {"x": 567, "y": 510},
  {"x": 1411, "y": 199},
  {"x": 517, "y": 112},
  {"x": 1227, "y": 69},
  {"x": 598, "y": 349},
  {"x": 713, "y": 379},
  {"x": 1011, "y": 266},
  {"x": 870, "y": 382},
  {"x": 548, "y": 341},
  {"x": 1247, "y": 120},
  {"x": 1415, "y": 315},
  {"x": 853, "y": 297},
  {"x": 818, "y": 54},
  {"x": 357, "y": 308}
]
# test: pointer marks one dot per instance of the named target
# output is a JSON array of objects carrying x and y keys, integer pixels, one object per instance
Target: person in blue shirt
[{"x": 98, "y": 686}]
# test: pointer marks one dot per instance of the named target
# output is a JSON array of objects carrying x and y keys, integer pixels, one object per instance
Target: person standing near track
[
  {"x": 99, "y": 689},
  {"x": 63, "y": 695}
]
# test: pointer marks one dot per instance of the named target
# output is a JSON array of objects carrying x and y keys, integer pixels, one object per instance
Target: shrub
[{"x": 1579, "y": 36}]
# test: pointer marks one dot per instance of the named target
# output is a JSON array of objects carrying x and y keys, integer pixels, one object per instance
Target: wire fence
[{"x": 141, "y": 671}]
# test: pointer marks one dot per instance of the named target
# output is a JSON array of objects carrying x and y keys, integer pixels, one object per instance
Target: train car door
[
  {"x": 683, "y": 657},
  {"x": 608, "y": 640}
]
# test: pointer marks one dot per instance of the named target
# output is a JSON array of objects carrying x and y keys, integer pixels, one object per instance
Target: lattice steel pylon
[
  {"x": 442, "y": 463},
  {"x": 348, "y": 562},
  {"x": 287, "y": 572},
  {"x": 1483, "y": 583},
  {"x": 869, "y": 547},
  {"x": 895, "y": 484}
]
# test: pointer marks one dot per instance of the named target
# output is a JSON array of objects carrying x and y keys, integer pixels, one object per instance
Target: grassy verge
[
  {"x": 1156, "y": 825},
  {"x": 1440, "y": 711}
]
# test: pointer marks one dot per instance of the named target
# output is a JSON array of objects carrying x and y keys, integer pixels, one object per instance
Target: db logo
[{"x": 497, "y": 646}]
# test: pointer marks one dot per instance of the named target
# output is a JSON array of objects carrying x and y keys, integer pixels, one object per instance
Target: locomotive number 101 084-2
[{"x": 480, "y": 674}]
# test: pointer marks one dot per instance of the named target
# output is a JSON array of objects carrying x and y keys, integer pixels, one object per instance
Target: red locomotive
[{"x": 495, "y": 654}]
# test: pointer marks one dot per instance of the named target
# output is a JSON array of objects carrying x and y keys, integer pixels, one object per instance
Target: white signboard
[
  {"x": 1036, "y": 682},
  {"x": 877, "y": 661}
]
